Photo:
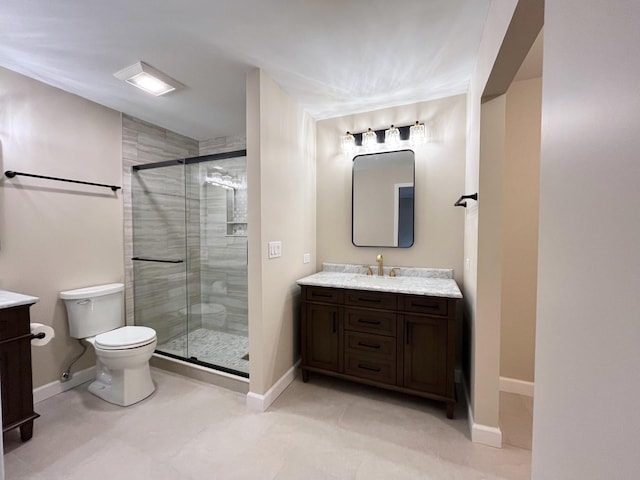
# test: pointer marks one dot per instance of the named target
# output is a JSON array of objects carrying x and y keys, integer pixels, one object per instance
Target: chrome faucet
[{"x": 380, "y": 269}]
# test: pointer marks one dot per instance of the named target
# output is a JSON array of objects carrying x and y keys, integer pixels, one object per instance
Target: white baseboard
[
  {"x": 513, "y": 385},
  {"x": 484, "y": 434},
  {"x": 258, "y": 402},
  {"x": 50, "y": 389}
]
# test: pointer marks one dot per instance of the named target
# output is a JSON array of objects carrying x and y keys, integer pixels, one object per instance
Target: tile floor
[{"x": 324, "y": 429}]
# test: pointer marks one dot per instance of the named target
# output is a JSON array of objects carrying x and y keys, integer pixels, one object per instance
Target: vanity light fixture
[
  {"x": 369, "y": 139},
  {"x": 418, "y": 134},
  {"x": 392, "y": 136},
  {"x": 348, "y": 143},
  {"x": 147, "y": 78}
]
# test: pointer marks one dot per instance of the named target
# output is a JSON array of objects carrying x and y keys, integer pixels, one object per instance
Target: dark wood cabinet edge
[
  {"x": 19, "y": 423},
  {"x": 373, "y": 383}
]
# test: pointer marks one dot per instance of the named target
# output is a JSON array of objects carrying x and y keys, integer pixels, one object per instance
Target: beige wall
[
  {"x": 483, "y": 332},
  {"x": 521, "y": 191},
  {"x": 586, "y": 416},
  {"x": 490, "y": 222},
  {"x": 57, "y": 236},
  {"x": 282, "y": 204},
  {"x": 439, "y": 182}
]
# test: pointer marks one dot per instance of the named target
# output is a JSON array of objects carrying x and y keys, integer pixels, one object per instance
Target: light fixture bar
[
  {"x": 380, "y": 135},
  {"x": 149, "y": 79}
]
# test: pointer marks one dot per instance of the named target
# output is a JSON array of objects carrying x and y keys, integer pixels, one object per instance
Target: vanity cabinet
[
  {"x": 390, "y": 340},
  {"x": 320, "y": 333},
  {"x": 15, "y": 371}
]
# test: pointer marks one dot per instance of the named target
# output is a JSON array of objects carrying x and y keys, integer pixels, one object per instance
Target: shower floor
[{"x": 219, "y": 348}]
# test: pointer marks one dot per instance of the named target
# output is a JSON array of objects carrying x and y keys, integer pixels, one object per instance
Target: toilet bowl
[{"x": 95, "y": 314}]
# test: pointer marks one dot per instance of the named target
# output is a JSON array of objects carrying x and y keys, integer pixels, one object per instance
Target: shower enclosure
[{"x": 190, "y": 258}]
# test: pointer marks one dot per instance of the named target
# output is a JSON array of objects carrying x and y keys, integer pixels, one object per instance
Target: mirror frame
[{"x": 413, "y": 219}]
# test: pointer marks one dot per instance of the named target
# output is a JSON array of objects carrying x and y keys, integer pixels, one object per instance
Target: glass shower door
[
  {"x": 159, "y": 254},
  {"x": 216, "y": 205}
]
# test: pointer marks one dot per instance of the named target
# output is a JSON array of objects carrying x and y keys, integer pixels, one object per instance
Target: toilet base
[{"x": 123, "y": 386}]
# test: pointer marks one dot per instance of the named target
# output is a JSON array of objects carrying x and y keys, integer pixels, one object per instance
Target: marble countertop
[
  {"x": 424, "y": 281},
  {"x": 11, "y": 299}
]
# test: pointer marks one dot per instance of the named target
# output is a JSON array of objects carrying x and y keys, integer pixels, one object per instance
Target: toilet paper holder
[{"x": 30, "y": 336}]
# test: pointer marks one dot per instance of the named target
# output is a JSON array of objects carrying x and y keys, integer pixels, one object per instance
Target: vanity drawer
[
  {"x": 371, "y": 368},
  {"x": 371, "y": 299},
  {"x": 371, "y": 321},
  {"x": 322, "y": 294},
  {"x": 383, "y": 348},
  {"x": 424, "y": 304}
]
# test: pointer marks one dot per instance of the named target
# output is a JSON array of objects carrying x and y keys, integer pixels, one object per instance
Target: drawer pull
[
  {"x": 369, "y": 322},
  {"x": 423, "y": 305},
  {"x": 371, "y": 369},
  {"x": 368, "y": 345},
  {"x": 323, "y": 295},
  {"x": 370, "y": 300}
]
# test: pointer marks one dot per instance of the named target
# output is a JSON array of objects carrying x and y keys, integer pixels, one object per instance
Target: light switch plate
[
  {"x": 275, "y": 249},
  {"x": 306, "y": 258}
]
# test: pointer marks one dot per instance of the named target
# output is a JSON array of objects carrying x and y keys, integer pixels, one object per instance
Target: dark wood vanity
[
  {"x": 396, "y": 341},
  {"x": 15, "y": 371}
]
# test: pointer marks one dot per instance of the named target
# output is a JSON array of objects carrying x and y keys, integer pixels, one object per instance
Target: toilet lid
[{"x": 125, "y": 337}]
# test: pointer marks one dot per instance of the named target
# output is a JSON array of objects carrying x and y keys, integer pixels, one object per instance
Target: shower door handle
[{"x": 156, "y": 260}]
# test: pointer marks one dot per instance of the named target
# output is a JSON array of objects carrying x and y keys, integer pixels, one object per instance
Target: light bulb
[
  {"x": 348, "y": 143},
  {"x": 417, "y": 134},
  {"x": 369, "y": 139},
  {"x": 392, "y": 136}
]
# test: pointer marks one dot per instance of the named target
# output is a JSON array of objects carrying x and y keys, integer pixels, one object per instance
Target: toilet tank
[{"x": 94, "y": 310}]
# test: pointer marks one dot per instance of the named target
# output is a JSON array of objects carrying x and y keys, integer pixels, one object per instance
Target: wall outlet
[
  {"x": 275, "y": 249},
  {"x": 467, "y": 264},
  {"x": 306, "y": 258}
]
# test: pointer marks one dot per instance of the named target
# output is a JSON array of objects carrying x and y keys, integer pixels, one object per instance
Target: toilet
[{"x": 95, "y": 314}]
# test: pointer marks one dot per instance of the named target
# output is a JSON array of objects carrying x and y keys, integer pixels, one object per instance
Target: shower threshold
[
  {"x": 212, "y": 366},
  {"x": 211, "y": 349}
]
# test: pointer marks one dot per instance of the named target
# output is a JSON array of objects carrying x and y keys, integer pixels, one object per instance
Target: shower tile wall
[
  {"x": 223, "y": 144},
  {"x": 207, "y": 245},
  {"x": 146, "y": 143}
]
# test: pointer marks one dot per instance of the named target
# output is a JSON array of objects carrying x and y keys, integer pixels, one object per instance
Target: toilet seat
[{"x": 125, "y": 338}]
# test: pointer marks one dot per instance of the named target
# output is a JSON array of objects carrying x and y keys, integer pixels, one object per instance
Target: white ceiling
[{"x": 334, "y": 57}]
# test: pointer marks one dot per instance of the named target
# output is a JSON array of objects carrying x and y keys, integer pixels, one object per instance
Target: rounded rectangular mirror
[{"x": 383, "y": 199}]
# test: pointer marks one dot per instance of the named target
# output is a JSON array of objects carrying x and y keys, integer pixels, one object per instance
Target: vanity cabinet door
[
  {"x": 320, "y": 334},
  {"x": 425, "y": 354}
]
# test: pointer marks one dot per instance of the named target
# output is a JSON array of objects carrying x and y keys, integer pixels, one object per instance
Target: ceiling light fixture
[{"x": 147, "y": 78}]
